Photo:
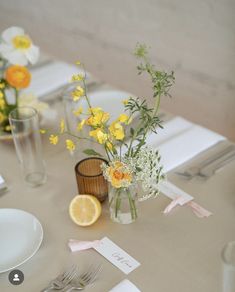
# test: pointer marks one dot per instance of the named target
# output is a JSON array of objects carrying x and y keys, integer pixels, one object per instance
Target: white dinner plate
[
  {"x": 21, "y": 235},
  {"x": 110, "y": 101}
]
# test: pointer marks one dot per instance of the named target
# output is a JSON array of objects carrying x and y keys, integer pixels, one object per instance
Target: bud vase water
[{"x": 122, "y": 204}]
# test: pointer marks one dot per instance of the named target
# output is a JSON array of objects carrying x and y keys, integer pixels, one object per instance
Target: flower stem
[{"x": 132, "y": 205}]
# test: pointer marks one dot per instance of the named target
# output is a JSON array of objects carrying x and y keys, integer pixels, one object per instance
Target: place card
[{"x": 117, "y": 256}]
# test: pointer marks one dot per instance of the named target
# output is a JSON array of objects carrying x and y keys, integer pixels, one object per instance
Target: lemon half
[{"x": 84, "y": 210}]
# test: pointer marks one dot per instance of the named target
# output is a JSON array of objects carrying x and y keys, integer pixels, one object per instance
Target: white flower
[
  {"x": 31, "y": 100},
  {"x": 17, "y": 48},
  {"x": 147, "y": 171}
]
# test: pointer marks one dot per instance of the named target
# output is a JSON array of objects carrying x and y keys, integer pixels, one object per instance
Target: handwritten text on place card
[{"x": 116, "y": 255}]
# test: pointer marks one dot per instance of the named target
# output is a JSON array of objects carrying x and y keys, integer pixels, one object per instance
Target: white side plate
[{"x": 21, "y": 235}]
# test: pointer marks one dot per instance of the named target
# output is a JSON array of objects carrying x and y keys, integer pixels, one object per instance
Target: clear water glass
[
  {"x": 228, "y": 258},
  {"x": 24, "y": 123}
]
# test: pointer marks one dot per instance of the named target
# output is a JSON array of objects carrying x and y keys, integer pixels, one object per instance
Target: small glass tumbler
[
  {"x": 90, "y": 179},
  {"x": 24, "y": 123},
  {"x": 228, "y": 258}
]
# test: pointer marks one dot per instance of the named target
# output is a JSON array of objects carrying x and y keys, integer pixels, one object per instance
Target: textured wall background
[{"x": 194, "y": 38}]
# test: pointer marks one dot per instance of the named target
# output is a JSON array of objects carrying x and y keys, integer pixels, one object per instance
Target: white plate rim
[{"x": 37, "y": 247}]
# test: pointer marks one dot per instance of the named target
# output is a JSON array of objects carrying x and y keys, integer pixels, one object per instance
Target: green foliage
[
  {"x": 148, "y": 116},
  {"x": 161, "y": 80},
  {"x": 91, "y": 152}
]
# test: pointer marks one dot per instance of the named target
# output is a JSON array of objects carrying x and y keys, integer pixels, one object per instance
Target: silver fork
[
  {"x": 62, "y": 280},
  {"x": 211, "y": 169},
  {"x": 84, "y": 279},
  {"x": 195, "y": 170}
]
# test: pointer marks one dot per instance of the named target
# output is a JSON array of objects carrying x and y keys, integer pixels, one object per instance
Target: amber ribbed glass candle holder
[{"x": 90, "y": 179}]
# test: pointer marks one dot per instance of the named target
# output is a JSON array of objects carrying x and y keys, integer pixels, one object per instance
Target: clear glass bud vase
[{"x": 122, "y": 204}]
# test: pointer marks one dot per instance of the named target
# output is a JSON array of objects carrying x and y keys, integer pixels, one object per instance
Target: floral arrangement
[
  {"x": 16, "y": 52},
  {"x": 130, "y": 161}
]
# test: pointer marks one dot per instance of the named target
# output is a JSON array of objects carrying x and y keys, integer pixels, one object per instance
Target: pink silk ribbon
[
  {"x": 198, "y": 210},
  {"x": 77, "y": 245}
]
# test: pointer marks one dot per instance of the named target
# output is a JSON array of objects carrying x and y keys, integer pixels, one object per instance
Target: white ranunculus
[{"x": 17, "y": 48}]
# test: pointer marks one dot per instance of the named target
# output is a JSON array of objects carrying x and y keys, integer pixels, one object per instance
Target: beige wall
[{"x": 195, "y": 38}]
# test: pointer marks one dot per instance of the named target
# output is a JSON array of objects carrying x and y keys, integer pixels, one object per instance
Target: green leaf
[
  {"x": 132, "y": 131},
  {"x": 91, "y": 152}
]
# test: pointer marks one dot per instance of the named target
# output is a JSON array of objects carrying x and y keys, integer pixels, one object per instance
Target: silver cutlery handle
[
  {"x": 71, "y": 288},
  {"x": 210, "y": 170},
  {"x": 216, "y": 156}
]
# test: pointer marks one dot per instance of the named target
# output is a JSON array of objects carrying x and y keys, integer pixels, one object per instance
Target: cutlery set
[
  {"x": 71, "y": 280},
  {"x": 208, "y": 167}
]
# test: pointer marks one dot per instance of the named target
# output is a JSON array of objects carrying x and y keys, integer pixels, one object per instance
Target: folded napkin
[
  {"x": 125, "y": 286},
  {"x": 181, "y": 140},
  {"x": 50, "y": 77}
]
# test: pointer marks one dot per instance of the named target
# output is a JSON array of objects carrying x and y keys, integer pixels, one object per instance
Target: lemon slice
[{"x": 84, "y": 210}]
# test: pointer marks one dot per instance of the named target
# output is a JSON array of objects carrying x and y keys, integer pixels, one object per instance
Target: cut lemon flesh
[{"x": 84, "y": 210}]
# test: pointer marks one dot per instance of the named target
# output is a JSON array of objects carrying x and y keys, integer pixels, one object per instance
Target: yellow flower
[
  {"x": 8, "y": 128},
  {"x": 53, "y": 139},
  {"x": 42, "y": 131},
  {"x": 109, "y": 145},
  {"x": 125, "y": 101},
  {"x": 117, "y": 131},
  {"x": 70, "y": 145},
  {"x": 2, "y": 117},
  {"x": 2, "y": 102},
  {"x": 78, "y": 63},
  {"x": 97, "y": 118},
  {"x": 77, "y": 77},
  {"x": 80, "y": 125},
  {"x": 123, "y": 118},
  {"x": 119, "y": 175},
  {"x": 77, "y": 93},
  {"x": 99, "y": 135},
  {"x": 1, "y": 94},
  {"x": 2, "y": 85},
  {"x": 78, "y": 111},
  {"x": 95, "y": 110},
  {"x": 62, "y": 126}
]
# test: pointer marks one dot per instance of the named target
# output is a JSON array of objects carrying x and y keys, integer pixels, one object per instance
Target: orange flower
[
  {"x": 119, "y": 175},
  {"x": 18, "y": 76}
]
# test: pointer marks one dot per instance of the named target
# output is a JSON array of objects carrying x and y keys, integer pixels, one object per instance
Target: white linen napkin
[
  {"x": 172, "y": 128},
  {"x": 50, "y": 77},
  {"x": 180, "y": 141},
  {"x": 125, "y": 286}
]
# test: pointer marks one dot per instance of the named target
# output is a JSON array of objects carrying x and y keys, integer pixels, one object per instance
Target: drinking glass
[
  {"x": 90, "y": 179},
  {"x": 24, "y": 123},
  {"x": 228, "y": 258}
]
